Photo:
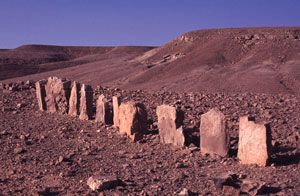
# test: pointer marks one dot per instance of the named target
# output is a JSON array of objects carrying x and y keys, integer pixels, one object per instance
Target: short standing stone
[
  {"x": 57, "y": 95},
  {"x": 74, "y": 102},
  {"x": 170, "y": 123},
  {"x": 100, "y": 183},
  {"x": 103, "y": 111},
  {"x": 86, "y": 102},
  {"x": 213, "y": 134},
  {"x": 41, "y": 94},
  {"x": 116, "y": 104},
  {"x": 254, "y": 142},
  {"x": 133, "y": 120}
]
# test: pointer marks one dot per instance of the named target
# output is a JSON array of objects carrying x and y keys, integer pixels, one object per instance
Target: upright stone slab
[
  {"x": 133, "y": 120},
  {"x": 57, "y": 95},
  {"x": 254, "y": 142},
  {"x": 41, "y": 94},
  {"x": 86, "y": 102},
  {"x": 213, "y": 134},
  {"x": 170, "y": 123},
  {"x": 74, "y": 103},
  {"x": 116, "y": 104},
  {"x": 103, "y": 111}
]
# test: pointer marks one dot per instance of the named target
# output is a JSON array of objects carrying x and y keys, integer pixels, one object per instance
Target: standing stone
[
  {"x": 103, "y": 111},
  {"x": 170, "y": 123},
  {"x": 133, "y": 120},
  {"x": 41, "y": 94},
  {"x": 74, "y": 102},
  {"x": 213, "y": 134},
  {"x": 116, "y": 104},
  {"x": 86, "y": 102},
  {"x": 254, "y": 142},
  {"x": 57, "y": 95}
]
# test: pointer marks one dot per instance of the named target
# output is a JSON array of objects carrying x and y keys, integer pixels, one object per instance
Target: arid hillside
[{"x": 259, "y": 60}]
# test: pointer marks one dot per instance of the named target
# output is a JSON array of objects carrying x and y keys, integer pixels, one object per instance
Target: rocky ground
[{"x": 53, "y": 154}]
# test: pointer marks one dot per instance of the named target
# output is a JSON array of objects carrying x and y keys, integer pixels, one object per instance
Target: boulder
[
  {"x": 254, "y": 142},
  {"x": 103, "y": 111},
  {"x": 86, "y": 102},
  {"x": 170, "y": 123},
  {"x": 57, "y": 95},
  {"x": 100, "y": 183},
  {"x": 133, "y": 120},
  {"x": 74, "y": 103},
  {"x": 116, "y": 104},
  {"x": 41, "y": 94},
  {"x": 213, "y": 134}
]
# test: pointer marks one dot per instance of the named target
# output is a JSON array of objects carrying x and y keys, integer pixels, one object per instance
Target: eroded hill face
[{"x": 261, "y": 60}]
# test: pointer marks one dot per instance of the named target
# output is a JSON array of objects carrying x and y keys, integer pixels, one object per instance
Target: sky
[{"x": 132, "y": 22}]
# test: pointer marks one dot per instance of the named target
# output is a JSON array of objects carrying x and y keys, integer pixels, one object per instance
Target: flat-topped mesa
[
  {"x": 74, "y": 103},
  {"x": 116, "y": 105},
  {"x": 57, "y": 95},
  {"x": 41, "y": 94},
  {"x": 213, "y": 134},
  {"x": 133, "y": 120},
  {"x": 170, "y": 123},
  {"x": 254, "y": 142},
  {"x": 86, "y": 102},
  {"x": 103, "y": 111}
]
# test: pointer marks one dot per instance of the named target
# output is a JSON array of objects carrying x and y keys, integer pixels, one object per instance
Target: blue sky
[{"x": 132, "y": 22}]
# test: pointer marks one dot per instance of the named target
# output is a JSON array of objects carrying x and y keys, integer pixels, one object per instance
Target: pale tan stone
[
  {"x": 133, "y": 120},
  {"x": 86, "y": 102},
  {"x": 103, "y": 111},
  {"x": 170, "y": 123},
  {"x": 57, "y": 95},
  {"x": 41, "y": 94},
  {"x": 254, "y": 142},
  {"x": 116, "y": 104},
  {"x": 74, "y": 103},
  {"x": 214, "y": 138}
]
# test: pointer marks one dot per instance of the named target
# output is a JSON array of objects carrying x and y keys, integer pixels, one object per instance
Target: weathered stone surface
[
  {"x": 116, "y": 104},
  {"x": 254, "y": 142},
  {"x": 103, "y": 111},
  {"x": 170, "y": 123},
  {"x": 86, "y": 102},
  {"x": 74, "y": 103},
  {"x": 57, "y": 95},
  {"x": 213, "y": 134},
  {"x": 41, "y": 94},
  {"x": 133, "y": 120},
  {"x": 100, "y": 183}
]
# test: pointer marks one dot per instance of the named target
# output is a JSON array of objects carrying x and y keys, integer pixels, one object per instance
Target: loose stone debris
[{"x": 100, "y": 183}]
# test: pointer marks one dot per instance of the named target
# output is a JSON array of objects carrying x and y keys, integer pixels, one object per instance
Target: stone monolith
[
  {"x": 74, "y": 103},
  {"x": 103, "y": 111},
  {"x": 170, "y": 123},
  {"x": 133, "y": 120},
  {"x": 41, "y": 94},
  {"x": 116, "y": 104},
  {"x": 254, "y": 142},
  {"x": 86, "y": 102},
  {"x": 213, "y": 134},
  {"x": 57, "y": 95}
]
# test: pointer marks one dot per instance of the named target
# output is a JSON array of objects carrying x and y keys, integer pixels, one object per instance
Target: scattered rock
[{"x": 100, "y": 183}]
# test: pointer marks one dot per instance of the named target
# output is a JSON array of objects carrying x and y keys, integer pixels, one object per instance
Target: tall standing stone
[
  {"x": 170, "y": 123},
  {"x": 41, "y": 94},
  {"x": 74, "y": 103},
  {"x": 254, "y": 142},
  {"x": 116, "y": 104},
  {"x": 103, "y": 111},
  {"x": 213, "y": 134},
  {"x": 133, "y": 120},
  {"x": 86, "y": 102},
  {"x": 57, "y": 95}
]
